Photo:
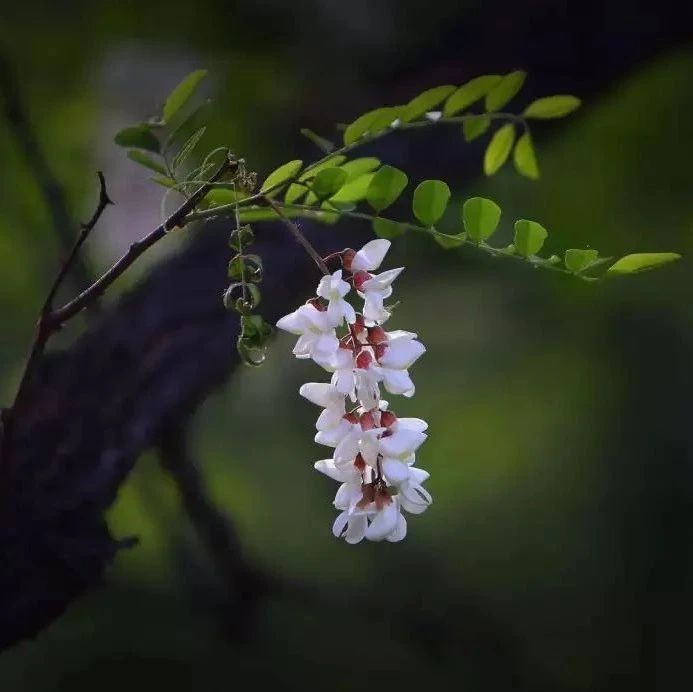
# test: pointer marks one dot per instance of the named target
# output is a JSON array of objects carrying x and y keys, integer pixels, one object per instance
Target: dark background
[{"x": 557, "y": 554}]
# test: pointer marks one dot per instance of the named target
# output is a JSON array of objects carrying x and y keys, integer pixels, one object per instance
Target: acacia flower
[
  {"x": 333, "y": 289},
  {"x": 374, "y": 288},
  {"x": 316, "y": 333},
  {"x": 374, "y": 450}
]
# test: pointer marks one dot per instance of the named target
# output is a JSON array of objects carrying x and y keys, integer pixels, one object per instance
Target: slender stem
[
  {"x": 177, "y": 219},
  {"x": 51, "y": 320},
  {"x": 225, "y": 209},
  {"x": 298, "y": 235},
  {"x": 312, "y": 212},
  {"x": 46, "y": 324}
]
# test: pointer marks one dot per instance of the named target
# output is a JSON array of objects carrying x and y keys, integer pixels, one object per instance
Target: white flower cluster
[{"x": 374, "y": 450}]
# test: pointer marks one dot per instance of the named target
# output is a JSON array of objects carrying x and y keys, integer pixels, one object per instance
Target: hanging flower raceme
[{"x": 374, "y": 451}]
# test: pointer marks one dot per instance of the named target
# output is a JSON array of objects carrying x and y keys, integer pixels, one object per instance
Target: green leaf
[
  {"x": 243, "y": 298},
  {"x": 385, "y": 187},
  {"x": 430, "y": 201},
  {"x": 187, "y": 124},
  {"x": 236, "y": 268},
  {"x": 470, "y": 93},
  {"x": 320, "y": 142},
  {"x": 370, "y": 122},
  {"x": 475, "y": 126},
  {"x": 577, "y": 260},
  {"x": 280, "y": 175},
  {"x": 354, "y": 191},
  {"x": 241, "y": 237},
  {"x": 254, "y": 268},
  {"x": 447, "y": 242},
  {"x": 182, "y": 93},
  {"x": 499, "y": 148},
  {"x": 384, "y": 228},
  {"x": 552, "y": 107},
  {"x": 357, "y": 167},
  {"x": 294, "y": 193},
  {"x": 188, "y": 148},
  {"x": 146, "y": 161},
  {"x": 139, "y": 137},
  {"x": 426, "y": 101},
  {"x": 248, "y": 215},
  {"x": 312, "y": 171},
  {"x": 328, "y": 181},
  {"x": 505, "y": 90},
  {"x": 524, "y": 158},
  {"x": 642, "y": 261},
  {"x": 164, "y": 181},
  {"x": 529, "y": 237},
  {"x": 222, "y": 196},
  {"x": 480, "y": 217},
  {"x": 384, "y": 118}
]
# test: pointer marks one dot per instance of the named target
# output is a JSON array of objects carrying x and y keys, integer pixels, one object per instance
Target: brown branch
[
  {"x": 51, "y": 320},
  {"x": 298, "y": 235},
  {"x": 46, "y": 325},
  {"x": 16, "y": 115},
  {"x": 75, "y": 306}
]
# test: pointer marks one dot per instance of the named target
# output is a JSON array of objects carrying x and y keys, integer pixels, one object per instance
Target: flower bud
[
  {"x": 377, "y": 335},
  {"x": 363, "y": 360},
  {"x": 360, "y": 278},
  {"x": 387, "y": 419},
  {"x": 348, "y": 258},
  {"x": 367, "y": 421}
]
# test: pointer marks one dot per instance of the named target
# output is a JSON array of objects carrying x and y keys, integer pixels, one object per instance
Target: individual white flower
[
  {"x": 402, "y": 350},
  {"x": 400, "y": 353},
  {"x": 332, "y": 437},
  {"x": 333, "y": 289},
  {"x": 399, "y": 452},
  {"x": 359, "y": 441},
  {"x": 367, "y": 513},
  {"x": 374, "y": 288},
  {"x": 342, "y": 367},
  {"x": 385, "y": 522},
  {"x": 367, "y": 389},
  {"x": 370, "y": 256},
  {"x": 413, "y": 497},
  {"x": 316, "y": 334},
  {"x": 339, "y": 473},
  {"x": 325, "y": 395}
]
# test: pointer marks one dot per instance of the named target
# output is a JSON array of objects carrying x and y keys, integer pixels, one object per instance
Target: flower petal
[
  {"x": 400, "y": 531},
  {"x": 402, "y": 354},
  {"x": 319, "y": 393},
  {"x": 357, "y": 529},
  {"x": 396, "y": 472},
  {"x": 371, "y": 255},
  {"x": 327, "y": 466},
  {"x": 384, "y": 523},
  {"x": 417, "y": 424},
  {"x": 398, "y": 382},
  {"x": 402, "y": 443},
  {"x": 340, "y": 524}
]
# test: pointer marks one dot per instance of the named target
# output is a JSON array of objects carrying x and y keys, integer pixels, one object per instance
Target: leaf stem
[
  {"x": 312, "y": 212},
  {"x": 225, "y": 209},
  {"x": 298, "y": 235}
]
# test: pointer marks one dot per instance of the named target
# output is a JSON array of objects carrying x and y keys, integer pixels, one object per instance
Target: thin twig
[
  {"x": 16, "y": 115},
  {"x": 177, "y": 219},
  {"x": 46, "y": 324},
  {"x": 298, "y": 235},
  {"x": 51, "y": 320}
]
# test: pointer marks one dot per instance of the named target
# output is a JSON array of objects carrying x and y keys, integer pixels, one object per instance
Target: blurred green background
[{"x": 557, "y": 554}]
